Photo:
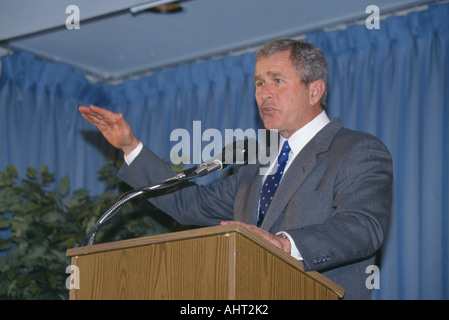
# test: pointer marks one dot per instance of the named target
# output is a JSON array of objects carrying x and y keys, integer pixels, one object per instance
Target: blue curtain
[{"x": 392, "y": 82}]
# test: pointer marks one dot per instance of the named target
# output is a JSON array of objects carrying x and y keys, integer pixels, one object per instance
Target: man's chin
[{"x": 270, "y": 125}]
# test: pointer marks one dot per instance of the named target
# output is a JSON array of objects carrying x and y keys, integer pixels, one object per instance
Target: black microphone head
[{"x": 239, "y": 152}]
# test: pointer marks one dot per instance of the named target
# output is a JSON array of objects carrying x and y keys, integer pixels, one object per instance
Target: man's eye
[
  {"x": 259, "y": 84},
  {"x": 278, "y": 80}
]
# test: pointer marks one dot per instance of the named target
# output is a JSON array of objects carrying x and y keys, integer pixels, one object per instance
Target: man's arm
[{"x": 361, "y": 210}]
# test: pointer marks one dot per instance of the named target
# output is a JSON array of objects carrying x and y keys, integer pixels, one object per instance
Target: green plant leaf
[
  {"x": 36, "y": 251},
  {"x": 70, "y": 242},
  {"x": 51, "y": 218},
  {"x": 5, "y": 222},
  {"x": 47, "y": 177},
  {"x": 64, "y": 186},
  {"x": 5, "y": 244},
  {"x": 56, "y": 200},
  {"x": 33, "y": 288},
  {"x": 53, "y": 282},
  {"x": 11, "y": 171},
  {"x": 9, "y": 176},
  {"x": 71, "y": 203},
  {"x": 31, "y": 173}
]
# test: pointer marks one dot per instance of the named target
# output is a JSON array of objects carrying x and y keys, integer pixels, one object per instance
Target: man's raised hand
[{"x": 113, "y": 127}]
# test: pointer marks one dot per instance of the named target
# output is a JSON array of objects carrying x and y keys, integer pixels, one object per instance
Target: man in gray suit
[{"x": 331, "y": 208}]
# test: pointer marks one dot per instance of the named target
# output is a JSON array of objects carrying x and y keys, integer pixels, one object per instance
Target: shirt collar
[{"x": 300, "y": 138}]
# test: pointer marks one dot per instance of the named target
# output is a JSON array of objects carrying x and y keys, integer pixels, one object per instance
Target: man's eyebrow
[
  {"x": 274, "y": 74},
  {"x": 257, "y": 78},
  {"x": 269, "y": 74}
]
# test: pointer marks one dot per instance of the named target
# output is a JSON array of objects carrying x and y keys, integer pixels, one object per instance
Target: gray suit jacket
[{"x": 334, "y": 201}]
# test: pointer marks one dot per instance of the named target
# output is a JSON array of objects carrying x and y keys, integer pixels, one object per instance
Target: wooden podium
[{"x": 217, "y": 263}]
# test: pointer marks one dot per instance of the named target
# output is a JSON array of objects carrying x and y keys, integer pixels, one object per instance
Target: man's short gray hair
[{"x": 308, "y": 61}]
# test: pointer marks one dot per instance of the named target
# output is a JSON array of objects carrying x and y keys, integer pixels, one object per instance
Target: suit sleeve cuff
[
  {"x": 133, "y": 154},
  {"x": 294, "y": 252}
]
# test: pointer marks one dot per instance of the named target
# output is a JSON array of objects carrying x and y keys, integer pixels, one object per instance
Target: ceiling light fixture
[
  {"x": 167, "y": 8},
  {"x": 163, "y": 6}
]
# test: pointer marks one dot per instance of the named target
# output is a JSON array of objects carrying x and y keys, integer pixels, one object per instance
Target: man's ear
[{"x": 316, "y": 90}]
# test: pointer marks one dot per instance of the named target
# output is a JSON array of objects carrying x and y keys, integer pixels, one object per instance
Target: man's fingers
[
  {"x": 278, "y": 241},
  {"x": 113, "y": 127},
  {"x": 100, "y": 117}
]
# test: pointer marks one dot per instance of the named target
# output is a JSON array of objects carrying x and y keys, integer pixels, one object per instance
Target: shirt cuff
[
  {"x": 294, "y": 252},
  {"x": 133, "y": 154}
]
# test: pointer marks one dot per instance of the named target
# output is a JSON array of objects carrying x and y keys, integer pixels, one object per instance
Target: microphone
[{"x": 238, "y": 151}]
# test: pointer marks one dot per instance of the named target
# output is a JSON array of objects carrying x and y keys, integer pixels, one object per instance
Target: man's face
[{"x": 283, "y": 100}]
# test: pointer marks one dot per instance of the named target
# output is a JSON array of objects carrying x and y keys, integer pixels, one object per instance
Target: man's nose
[{"x": 266, "y": 92}]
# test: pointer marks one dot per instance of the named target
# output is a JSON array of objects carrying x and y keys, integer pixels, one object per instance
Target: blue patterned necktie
[{"x": 271, "y": 183}]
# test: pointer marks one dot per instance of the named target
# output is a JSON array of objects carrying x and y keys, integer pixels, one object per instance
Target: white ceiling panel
[
  {"x": 22, "y": 17},
  {"x": 112, "y": 43}
]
